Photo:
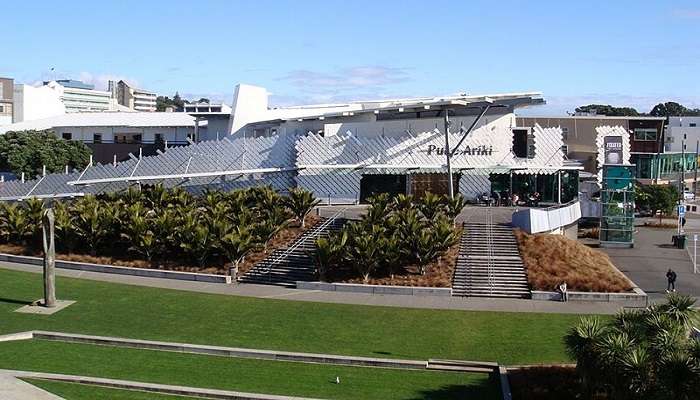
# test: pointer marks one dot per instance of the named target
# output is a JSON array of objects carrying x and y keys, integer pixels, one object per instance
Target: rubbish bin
[{"x": 679, "y": 241}]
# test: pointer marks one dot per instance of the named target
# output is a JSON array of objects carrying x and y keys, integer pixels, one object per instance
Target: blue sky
[{"x": 621, "y": 52}]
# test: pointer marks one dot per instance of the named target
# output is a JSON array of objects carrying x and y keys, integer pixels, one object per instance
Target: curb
[
  {"x": 119, "y": 270},
  {"x": 374, "y": 289},
  {"x": 152, "y": 387}
]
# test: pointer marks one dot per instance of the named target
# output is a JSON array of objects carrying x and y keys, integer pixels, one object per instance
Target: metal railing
[
  {"x": 489, "y": 252},
  {"x": 315, "y": 233}
]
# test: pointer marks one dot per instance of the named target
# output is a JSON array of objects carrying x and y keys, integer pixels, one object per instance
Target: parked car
[{"x": 688, "y": 195}]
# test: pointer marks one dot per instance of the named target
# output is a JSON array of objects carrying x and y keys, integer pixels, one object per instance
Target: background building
[
  {"x": 113, "y": 135},
  {"x": 78, "y": 96},
  {"x": 213, "y": 119},
  {"x": 133, "y": 98},
  {"x": 6, "y": 96}
]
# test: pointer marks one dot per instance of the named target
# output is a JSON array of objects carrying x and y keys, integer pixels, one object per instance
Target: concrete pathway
[
  {"x": 12, "y": 388},
  {"x": 139, "y": 386},
  {"x": 653, "y": 254},
  {"x": 274, "y": 292}
]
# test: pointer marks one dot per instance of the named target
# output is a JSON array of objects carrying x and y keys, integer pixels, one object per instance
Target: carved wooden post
[{"x": 47, "y": 221}]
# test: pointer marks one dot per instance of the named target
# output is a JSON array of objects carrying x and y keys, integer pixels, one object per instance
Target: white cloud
[
  {"x": 100, "y": 80},
  {"x": 687, "y": 14},
  {"x": 346, "y": 79}
]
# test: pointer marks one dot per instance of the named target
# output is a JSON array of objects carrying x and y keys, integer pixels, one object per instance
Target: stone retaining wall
[
  {"x": 637, "y": 298},
  {"x": 114, "y": 269},
  {"x": 374, "y": 289}
]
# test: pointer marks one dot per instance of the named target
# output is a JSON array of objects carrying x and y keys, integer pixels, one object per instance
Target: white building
[
  {"x": 214, "y": 119},
  {"x": 59, "y": 97},
  {"x": 114, "y": 127},
  {"x": 32, "y": 103},
  {"x": 133, "y": 98},
  {"x": 679, "y": 129}
]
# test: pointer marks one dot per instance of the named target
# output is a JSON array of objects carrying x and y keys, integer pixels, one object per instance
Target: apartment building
[
  {"x": 132, "y": 97},
  {"x": 6, "y": 96}
]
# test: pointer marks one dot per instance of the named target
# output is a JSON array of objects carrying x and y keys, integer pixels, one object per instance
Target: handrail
[{"x": 315, "y": 233}]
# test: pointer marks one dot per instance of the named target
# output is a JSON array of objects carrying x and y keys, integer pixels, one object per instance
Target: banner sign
[{"x": 613, "y": 149}]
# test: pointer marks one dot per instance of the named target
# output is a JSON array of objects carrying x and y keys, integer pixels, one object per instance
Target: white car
[{"x": 688, "y": 195}]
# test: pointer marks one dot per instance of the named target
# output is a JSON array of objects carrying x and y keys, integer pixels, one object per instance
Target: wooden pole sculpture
[{"x": 47, "y": 221}]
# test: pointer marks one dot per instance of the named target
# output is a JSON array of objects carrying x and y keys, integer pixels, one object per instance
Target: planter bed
[
  {"x": 100, "y": 262},
  {"x": 553, "y": 259},
  {"x": 438, "y": 274}
]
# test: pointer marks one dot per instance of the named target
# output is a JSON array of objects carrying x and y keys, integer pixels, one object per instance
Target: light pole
[{"x": 448, "y": 155}]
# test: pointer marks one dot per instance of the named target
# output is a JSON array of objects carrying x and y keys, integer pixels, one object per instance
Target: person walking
[{"x": 671, "y": 277}]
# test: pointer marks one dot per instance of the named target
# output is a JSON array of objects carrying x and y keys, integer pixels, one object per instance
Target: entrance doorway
[
  {"x": 371, "y": 185},
  {"x": 434, "y": 183}
]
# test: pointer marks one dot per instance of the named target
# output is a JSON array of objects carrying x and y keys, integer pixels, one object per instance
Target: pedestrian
[
  {"x": 671, "y": 277},
  {"x": 563, "y": 291}
]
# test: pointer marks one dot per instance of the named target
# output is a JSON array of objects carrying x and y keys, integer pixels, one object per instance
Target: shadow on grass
[
  {"x": 15, "y": 301},
  {"x": 486, "y": 389}
]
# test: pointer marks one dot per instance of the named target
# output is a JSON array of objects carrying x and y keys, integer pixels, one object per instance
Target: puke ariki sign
[{"x": 482, "y": 150}]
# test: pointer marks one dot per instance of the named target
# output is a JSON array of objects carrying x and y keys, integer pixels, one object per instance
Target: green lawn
[
  {"x": 170, "y": 315},
  {"x": 247, "y": 375},
  {"x": 74, "y": 391}
]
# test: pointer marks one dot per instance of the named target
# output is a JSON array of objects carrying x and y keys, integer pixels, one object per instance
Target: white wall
[
  {"x": 31, "y": 103},
  {"x": 86, "y": 134}
]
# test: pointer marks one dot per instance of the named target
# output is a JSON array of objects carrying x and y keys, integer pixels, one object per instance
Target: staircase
[
  {"x": 283, "y": 267},
  {"x": 489, "y": 263}
]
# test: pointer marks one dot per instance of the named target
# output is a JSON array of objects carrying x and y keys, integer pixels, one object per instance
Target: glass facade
[
  {"x": 662, "y": 166},
  {"x": 617, "y": 198}
]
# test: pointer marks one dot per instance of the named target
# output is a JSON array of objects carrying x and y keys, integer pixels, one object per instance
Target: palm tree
[
  {"x": 581, "y": 344},
  {"x": 646, "y": 354},
  {"x": 454, "y": 206},
  {"x": 425, "y": 250},
  {"x": 15, "y": 223},
  {"x": 236, "y": 244},
  {"x": 328, "y": 252},
  {"x": 300, "y": 202},
  {"x": 364, "y": 255},
  {"x": 34, "y": 208},
  {"x": 94, "y": 221},
  {"x": 430, "y": 205}
]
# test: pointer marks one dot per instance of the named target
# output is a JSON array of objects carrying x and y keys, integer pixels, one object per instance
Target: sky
[{"x": 625, "y": 53}]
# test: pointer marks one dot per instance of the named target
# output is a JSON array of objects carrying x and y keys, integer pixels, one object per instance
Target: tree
[
  {"x": 606, "y": 109},
  {"x": 29, "y": 151},
  {"x": 671, "y": 108},
  {"x": 661, "y": 198},
  {"x": 645, "y": 354},
  {"x": 300, "y": 202}
]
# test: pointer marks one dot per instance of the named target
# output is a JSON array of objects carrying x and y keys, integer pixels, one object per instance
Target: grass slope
[
  {"x": 256, "y": 376},
  {"x": 553, "y": 259},
  {"x": 170, "y": 315},
  {"x": 74, "y": 391}
]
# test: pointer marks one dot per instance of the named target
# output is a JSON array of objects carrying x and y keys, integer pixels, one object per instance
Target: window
[
  {"x": 2, "y": 109},
  {"x": 692, "y": 124},
  {"x": 67, "y": 135},
  {"x": 97, "y": 138},
  {"x": 645, "y": 134},
  {"x": 565, "y": 149},
  {"x": 565, "y": 133},
  {"x": 159, "y": 138},
  {"x": 520, "y": 148}
]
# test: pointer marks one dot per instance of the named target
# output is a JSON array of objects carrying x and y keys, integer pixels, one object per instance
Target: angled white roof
[
  {"x": 122, "y": 119},
  {"x": 330, "y": 110}
]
